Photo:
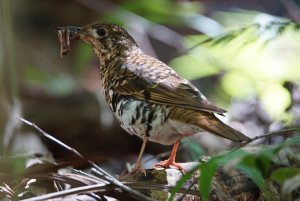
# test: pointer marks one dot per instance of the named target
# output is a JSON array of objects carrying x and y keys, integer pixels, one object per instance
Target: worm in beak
[{"x": 65, "y": 35}]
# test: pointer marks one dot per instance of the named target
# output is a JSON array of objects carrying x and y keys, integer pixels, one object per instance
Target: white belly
[
  {"x": 142, "y": 118},
  {"x": 171, "y": 131}
]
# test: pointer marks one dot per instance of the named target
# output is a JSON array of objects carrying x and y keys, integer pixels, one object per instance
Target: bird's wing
[{"x": 146, "y": 78}]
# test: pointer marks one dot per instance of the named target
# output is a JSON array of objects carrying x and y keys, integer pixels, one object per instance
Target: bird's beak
[
  {"x": 65, "y": 35},
  {"x": 72, "y": 29}
]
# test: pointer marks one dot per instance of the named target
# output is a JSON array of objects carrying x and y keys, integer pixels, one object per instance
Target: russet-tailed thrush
[{"x": 148, "y": 97}]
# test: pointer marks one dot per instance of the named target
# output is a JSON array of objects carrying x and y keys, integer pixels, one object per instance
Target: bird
[{"x": 148, "y": 98}]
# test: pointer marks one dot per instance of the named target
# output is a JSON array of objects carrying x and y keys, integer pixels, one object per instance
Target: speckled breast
[{"x": 142, "y": 118}]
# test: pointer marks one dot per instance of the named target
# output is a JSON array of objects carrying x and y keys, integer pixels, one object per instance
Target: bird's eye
[{"x": 101, "y": 32}]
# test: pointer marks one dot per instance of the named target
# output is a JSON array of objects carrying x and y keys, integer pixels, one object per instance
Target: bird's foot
[
  {"x": 168, "y": 163},
  {"x": 138, "y": 169}
]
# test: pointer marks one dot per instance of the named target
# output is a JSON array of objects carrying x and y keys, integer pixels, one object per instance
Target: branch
[
  {"x": 79, "y": 190},
  {"x": 228, "y": 183},
  {"x": 103, "y": 174},
  {"x": 268, "y": 135}
]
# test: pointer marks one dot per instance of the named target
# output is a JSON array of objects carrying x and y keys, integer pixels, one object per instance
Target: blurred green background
[{"x": 243, "y": 55}]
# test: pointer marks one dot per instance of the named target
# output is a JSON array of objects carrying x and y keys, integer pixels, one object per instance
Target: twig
[
  {"x": 100, "y": 171},
  {"x": 187, "y": 190},
  {"x": 102, "y": 187},
  {"x": 268, "y": 135},
  {"x": 4, "y": 188},
  {"x": 79, "y": 190},
  {"x": 89, "y": 175}
]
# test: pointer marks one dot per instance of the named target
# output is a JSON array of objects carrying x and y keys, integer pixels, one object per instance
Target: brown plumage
[{"x": 147, "y": 96}]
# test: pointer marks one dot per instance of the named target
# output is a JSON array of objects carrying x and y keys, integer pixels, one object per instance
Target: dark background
[{"x": 63, "y": 95}]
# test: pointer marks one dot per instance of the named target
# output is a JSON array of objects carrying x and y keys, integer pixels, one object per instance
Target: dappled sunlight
[
  {"x": 256, "y": 62},
  {"x": 64, "y": 137}
]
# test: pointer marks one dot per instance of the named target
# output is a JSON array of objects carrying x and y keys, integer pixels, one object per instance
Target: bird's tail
[{"x": 213, "y": 125}]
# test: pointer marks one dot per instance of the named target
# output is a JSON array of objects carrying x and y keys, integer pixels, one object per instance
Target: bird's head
[{"x": 106, "y": 39}]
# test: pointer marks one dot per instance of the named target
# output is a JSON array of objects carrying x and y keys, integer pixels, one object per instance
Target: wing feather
[{"x": 152, "y": 80}]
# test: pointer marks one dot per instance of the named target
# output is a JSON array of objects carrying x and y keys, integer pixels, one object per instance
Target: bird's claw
[
  {"x": 138, "y": 170},
  {"x": 167, "y": 164}
]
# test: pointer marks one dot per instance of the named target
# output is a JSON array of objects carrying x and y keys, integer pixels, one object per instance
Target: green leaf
[
  {"x": 280, "y": 175},
  {"x": 249, "y": 166},
  {"x": 255, "y": 165},
  {"x": 208, "y": 169},
  {"x": 264, "y": 159},
  {"x": 248, "y": 55},
  {"x": 155, "y": 10},
  {"x": 292, "y": 141}
]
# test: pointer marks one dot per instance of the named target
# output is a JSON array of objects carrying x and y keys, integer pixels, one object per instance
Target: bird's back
[{"x": 143, "y": 98}]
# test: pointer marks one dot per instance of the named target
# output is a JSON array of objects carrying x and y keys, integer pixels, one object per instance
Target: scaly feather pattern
[{"x": 147, "y": 96}]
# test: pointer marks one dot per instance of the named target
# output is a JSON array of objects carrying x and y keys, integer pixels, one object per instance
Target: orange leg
[
  {"x": 138, "y": 165},
  {"x": 171, "y": 160}
]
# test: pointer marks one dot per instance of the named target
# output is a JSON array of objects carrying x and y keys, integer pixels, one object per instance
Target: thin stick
[
  {"x": 78, "y": 190},
  {"x": 94, "y": 188},
  {"x": 187, "y": 190},
  {"x": 268, "y": 135},
  {"x": 100, "y": 171}
]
